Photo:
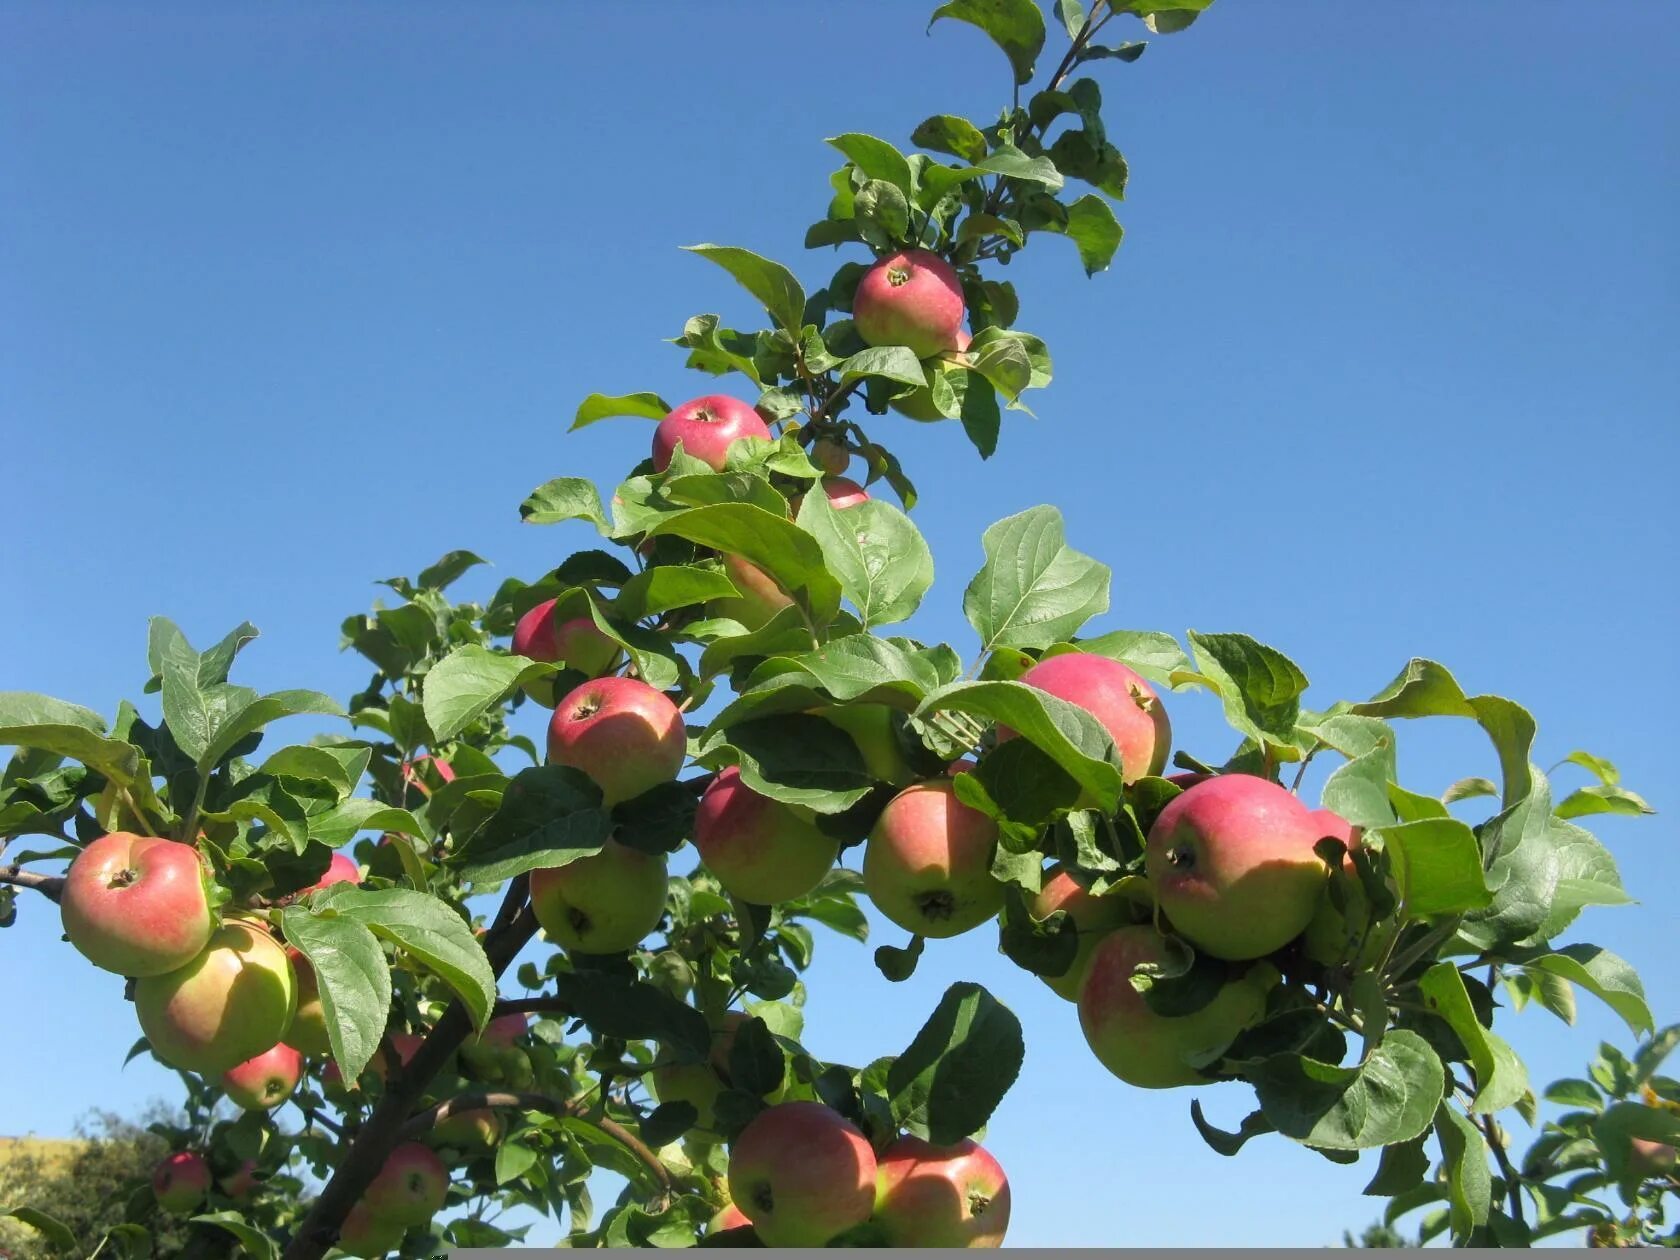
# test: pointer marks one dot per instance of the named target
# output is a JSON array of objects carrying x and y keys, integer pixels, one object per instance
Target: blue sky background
[{"x": 299, "y": 298}]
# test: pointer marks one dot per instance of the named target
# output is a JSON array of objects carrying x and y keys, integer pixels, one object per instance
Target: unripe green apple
[
  {"x": 365, "y": 1234},
  {"x": 603, "y": 903},
  {"x": 578, "y": 643},
  {"x": 1118, "y": 697},
  {"x": 692, "y": 1083},
  {"x": 136, "y": 905},
  {"x": 911, "y": 298},
  {"x": 928, "y": 863},
  {"x": 308, "y": 1033},
  {"x": 487, "y": 1057},
  {"x": 622, "y": 733},
  {"x": 941, "y": 1196},
  {"x": 871, "y": 729},
  {"x": 266, "y": 1080},
  {"x": 802, "y": 1174},
  {"x": 1155, "y": 1051},
  {"x": 410, "y": 1188},
  {"x": 761, "y": 850},
  {"x": 468, "y": 1131},
  {"x": 760, "y": 597},
  {"x": 830, "y": 456},
  {"x": 232, "y": 1002},
  {"x": 919, "y": 404},
  {"x": 180, "y": 1182},
  {"x": 1232, "y": 864},
  {"x": 1092, "y": 917}
]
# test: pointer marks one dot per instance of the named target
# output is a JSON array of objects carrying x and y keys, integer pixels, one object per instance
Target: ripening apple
[
  {"x": 414, "y": 772},
  {"x": 492, "y": 1056},
  {"x": 692, "y": 1083},
  {"x": 1331, "y": 934},
  {"x": 1118, "y": 697},
  {"x": 1092, "y": 917},
  {"x": 1232, "y": 864},
  {"x": 910, "y": 298},
  {"x": 577, "y": 642},
  {"x": 842, "y": 493},
  {"x": 308, "y": 1031},
  {"x": 761, "y": 850},
  {"x": 723, "y": 1047},
  {"x": 759, "y": 599},
  {"x": 365, "y": 1234},
  {"x": 919, "y": 404},
  {"x": 928, "y": 863},
  {"x": 706, "y": 427},
  {"x": 872, "y": 729},
  {"x": 1155, "y": 1051},
  {"x": 830, "y": 456},
  {"x": 232, "y": 1002},
  {"x": 802, "y": 1173},
  {"x": 136, "y": 905},
  {"x": 730, "y": 1218},
  {"x": 180, "y": 1182},
  {"x": 1649, "y": 1158},
  {"x": 601, "y": 904},
  {"x": 622, "y": 733},
  {"x": 266, "y": 1080},
  {"x": 468, "y": 1131},
  {"x": 341, "y": 870},
  {"x": 941, "y": 1196},
  {"x": 410, "y": 1188},
  {"x": 240, "y": 1184}
]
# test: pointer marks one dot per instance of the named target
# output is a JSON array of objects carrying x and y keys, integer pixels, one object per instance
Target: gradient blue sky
[{"x": 297, "y": 298}]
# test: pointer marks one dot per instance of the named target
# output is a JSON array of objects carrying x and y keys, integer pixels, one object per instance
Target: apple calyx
[
  {"x": 897, "y": 277},
  {"x": 937, "y": 905}
]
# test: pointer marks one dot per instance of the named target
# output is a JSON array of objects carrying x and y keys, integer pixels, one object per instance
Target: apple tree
[{"x": 720, "y": 668}]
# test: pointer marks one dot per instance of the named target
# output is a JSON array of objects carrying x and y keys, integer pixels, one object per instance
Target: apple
[
  {"x": 413, "y": 772},
  {"x": 910, "y": 298},
  {"x": 842, "y": 493},
  {"x": 1331, "y": 934},
  {"x": 266, "y": 1080},
  {"x": 1650, "y": 1158},
  {"x": 1232, "y": 864},
  {"x": 365, "y": 1234},
  {"x": 830, "y": 456},
  {"x": 941, "y": 1196},
  {"x": 136, "y": 905},
  {"x": 730, "y": 1218},
  {"x": 1118, "y": 697},
  {"x": 578, "y": 643},
  {"x": 919, "y": 404},
  {"x": 410, "y": 1188},
  {"x": 760, "y": 597},
  {"x": 308, "y": 1031},
  {"x": 1092, "y": 917},
  {"x": 802, "y": 1173},
  {"x": 180, "y": 1182},
  {"x": 872, "y": 729},
  {"x": 692, "y": 1083},
  {"x": 761, "y": 850},
  {"x": 622, "y": 733},
  {"x": 1149, "y": 1050},
  {"x": 706, "y": 427},
  {"x": 468, "y": 1131},
  {"x": 928, "y": 863},
  {"x": 723, "y": 1046},
  {"x": 240, "y": 1184},
  {"x": 601, "y": 904},
  {"x": 341, "y": 870},
  {"x": 495, "y": 1056},
  {"x": 232, "y": 1002}
]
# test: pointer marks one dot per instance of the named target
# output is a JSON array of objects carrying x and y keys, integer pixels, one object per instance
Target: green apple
[
  {"x": 603, "y": 903},
  {"x": 759, "y": 599},
  {"x": 1092, "y": 918},
  {"x": 229, "y": 1004},
  {"x": 364, "y": 1234},
  {"x": 872, "y": 728},
  {"x": 308, "y": 1033}
]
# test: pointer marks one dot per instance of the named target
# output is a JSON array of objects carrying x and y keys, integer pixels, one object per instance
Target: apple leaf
[
  {"x": 946, "y": 133},
  {"x": 248, "y": 719},
  {"x": 644, "y": 406},
  {"x": 669, "y": 586},
  {"x": 354, "y": 979},
  {"x": 1599, "y": 972},
  {"x": 1034, "y": 590},
  {"x": 787, "y": 553},
  {"x": 1464, "y": 1159},
  {"x": 1436, "y": 865},
  {"x": 1151, "y": 653},
  {"x": 1390, "y": 1097},
  {"x": 58, "y": 1235},
  {"x": 1615, "y": 1129},
  {"x": 795, "y": 758},
  {"x": 1501, "y": 1078},
  {"x": 635, "y": 1010},
  {"x": 1016, "y": 26},
  {"x": 881, "y": 560},
  {"x": 852, "y": 667},
  {"x": 467, "y": 682},
  {"x": 29, "y": 720},
  {"x": 564, "y": 499},
  {"x": 876, "y": 158},
  {"x": 770, "y": 282},
  {"x": 338, "y": 825},
  {"x": 1259, "y": 686},
  {"x": 952, "y": 1076},
  {"x": 548, "y": 816}
]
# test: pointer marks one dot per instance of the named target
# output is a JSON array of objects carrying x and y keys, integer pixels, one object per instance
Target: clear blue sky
[{"x": 297, "y": 298}]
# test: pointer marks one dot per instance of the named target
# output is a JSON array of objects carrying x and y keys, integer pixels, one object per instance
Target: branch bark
[{"x": 49, "y": 886}]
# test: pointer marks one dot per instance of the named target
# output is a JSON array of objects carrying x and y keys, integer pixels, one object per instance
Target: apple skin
[
  {"x": 136, "y": 905},
  {"x": 1651, "y": 1159},
  {"x": 410, "y": 1188},
  {"x": 266, "y": 1080},
  {"x": 1118, "y": 697},
  {"x": 341, "y": 870},
  {"x": 1093, "y": 917},
  {"x": 692, "y": 1083},
  {"x": 1141, "y": 1047},
  {"x": 492, "y": 1056},
  {"x": 830, "y": 456},
  {"x": 706, "y": 427},
  {"x": 1332, "y": 933},
  {"x": 941, "y": 1196},
  {"x": 411, "y": 772},
  {"x": 760, "y": 598},
  {"x": 730, "y": 1218},
  {"x": 626, "y": 736},
  {"x": 231, "y": 1003},
  {"x": 240, "y": 1184},
  {"x": 468, "y": 1131},
  {"x": 761, "y": 850},
  {"x": 802, "y": 1173},
  {"x": 308, "y": 1031},
  {"x": 842, "y": 493},
  {"x": 578, "y": 643},
  {"x": 601, "y": 904},
  {"x": 918, "y": 404},
  {"x": 871, "y": 729},
  {"x": 910, "y": 298},
  {"x": 1232, "y": 864},
  {"x": 365, "y": 1234},
  {"x": 928, "y": 863},
  {"x": 180, "y": 1182}
]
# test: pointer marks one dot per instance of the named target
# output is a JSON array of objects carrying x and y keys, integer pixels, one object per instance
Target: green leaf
[
  {"x": 770, "y": 282},
  {"x": 946, "y": 133},
  {"x": 668, "y": 586},
  {"x": 564, "y": 499},
  {"x": 1164, "y": 17},
  {"x": 443, "y": 572},
  {"x": 882, "y": 214},
  {"x": 719, "y": 350},
  {"x": 250, "y": 718},
  {"x": 1464, "y": 1161},
  {"x": 1033, "y": 589},
  {"x": 252, "y": 1240},
  {"x": 1389, "y": 1098},
  {"x": 354, "y": 979},
  {"x": 1151, "y": 653},
  {"x": 1259, "y": 686},
  {"x": 1437, "y": 866},
  {"x": 303, "y": 761},
  {"x": 952, "y": 1076},
  {"x": 1615, "y": 1129},
  {"x": 1094, "y": 231},
  {"x": 1071, "y": 14},
  {"x": 1602, "y": 799},
  {"x": 335, "y": 827},
  {"x": 1601, "y": 973},
  {"x": 1016, "y": 26},
  {"x": 880, "y": 559},
  {"x": 427, "y": 930},
  {"x": 893, "y": 363},
  {"x": 876, "y": 158},
  {"x": 1002, "y": 359},
  {"x": 855, "y": 667},
  {"x": 1010, "y": 162},
  {"x": 1224, "y": 1143},
  {"x": 1401, "y": 1168},
  {"x": 548, "y": 816},
  {"x": 795, "y": 758},
  {"x": 1501, "y": 1078},
  {"x": 776, "y": 545},
  {"x": 1574, "y": 1092},
  {"x": 35, "y": 721},
  {"x": 465, "y": 684},
  {"x": 643, "y": 406},
  {"x": 58, "y": 1235}
]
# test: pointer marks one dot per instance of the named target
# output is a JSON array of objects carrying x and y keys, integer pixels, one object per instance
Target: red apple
[
  {"x": 842, "y": 493},
  {"x": 578, "y": 643},
  {"x": 341, "y": 870},
  {"x": 1092, "y": 917},
  {"x": 266, "y": 1080},
  {"x": 410, "y": 1188},
  {"x": 911, "y": 298},
  {"x": 1232, "y": 864},
  {"x": 622, "y": 733},
  {"x": 706, "y": 427},
  {"x": 364, "y": 1234},
  {"x": 232, "y": 1002},
  {"x": 603, "y": 903},
  {"x": 928, "y": 863},
  {"x": 241, "y": 1183},
  {"x": 136, "y": 905},
  {"x": 414, "y": 772},
  {"x": 1118, "y": 697},
  {"x": 1158, "y": 1051},
  {"x": 180, "y": 1182},
  {"x": 761, "y": 850},
  {"x": 730, "y": 1218},
  {"x": 941, "y": 1196},
  {"x": 760, "y": 598},
  {"x": 802, "y": 1174},
  {"x": 308, "y": 1031}
]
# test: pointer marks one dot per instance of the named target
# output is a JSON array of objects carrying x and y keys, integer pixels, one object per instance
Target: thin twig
[
  {"x": 1513, "y": 1183},
  {"x": 49, "y": 886}
]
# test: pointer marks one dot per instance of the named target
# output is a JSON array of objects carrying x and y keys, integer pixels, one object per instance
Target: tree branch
[
  {"x": 1513, "y": 1183},
  {"x": 532, "y": 1006},
  {"x": 49, "y": 886},
  {"x": 479, "y": 1100}
]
